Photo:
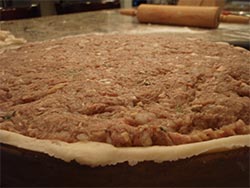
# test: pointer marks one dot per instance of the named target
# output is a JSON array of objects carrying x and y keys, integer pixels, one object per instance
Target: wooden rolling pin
[
  {"x": 235, "y": 19},
  {"x": 217, "y": 3},
  {"x": 196, "y": 16}
]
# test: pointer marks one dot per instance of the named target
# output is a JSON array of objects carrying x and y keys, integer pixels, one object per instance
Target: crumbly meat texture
[{"x": 126, "y": 90}]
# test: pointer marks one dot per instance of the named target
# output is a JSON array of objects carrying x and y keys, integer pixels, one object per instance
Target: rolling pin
[
  {"x": 235, "y": 19},
  {"x": 196, "y": 16}
]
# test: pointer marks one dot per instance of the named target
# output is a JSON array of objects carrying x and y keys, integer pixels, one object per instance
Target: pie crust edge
[{"x": 102, "y": 154}]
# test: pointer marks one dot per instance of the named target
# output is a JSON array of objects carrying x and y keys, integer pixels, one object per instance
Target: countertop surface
[{"x": 110, "y": 21}]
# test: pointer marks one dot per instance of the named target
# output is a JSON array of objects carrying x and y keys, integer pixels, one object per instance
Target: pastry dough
[{"x": 101, "y": 154}]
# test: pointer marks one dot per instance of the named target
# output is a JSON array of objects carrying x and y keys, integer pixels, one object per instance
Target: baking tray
[{"x": 24, "y": 168}]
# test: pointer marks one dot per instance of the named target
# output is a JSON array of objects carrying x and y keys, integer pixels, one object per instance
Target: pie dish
[{"x": 108, "y": 100}]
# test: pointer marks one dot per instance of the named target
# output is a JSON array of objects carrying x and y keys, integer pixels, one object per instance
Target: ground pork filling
[{"x": 126, "y": 90}]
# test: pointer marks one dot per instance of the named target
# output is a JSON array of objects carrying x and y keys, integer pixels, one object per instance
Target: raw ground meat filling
[{"x": 126, "y": 90}]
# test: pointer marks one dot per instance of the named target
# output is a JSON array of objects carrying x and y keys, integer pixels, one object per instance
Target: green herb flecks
[
  {"x": 145, "y": 82},
  {"x": 178, "y": 109},
  {"x": 163, "y": 129},
  {"x": 8, "y": 116}
]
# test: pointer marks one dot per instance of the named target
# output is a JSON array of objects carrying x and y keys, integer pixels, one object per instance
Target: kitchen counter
[{"x": 110, "y": 21}]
